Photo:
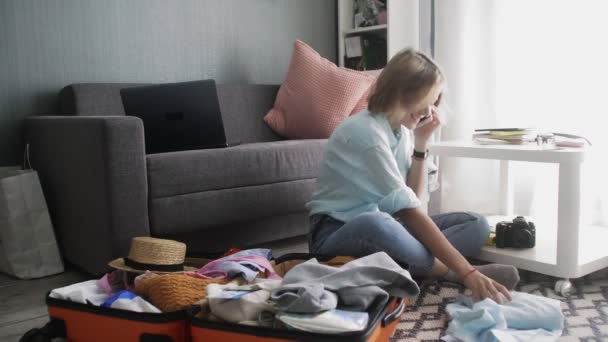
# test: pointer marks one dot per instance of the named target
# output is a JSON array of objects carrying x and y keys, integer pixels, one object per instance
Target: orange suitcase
[
  {"x": 79, "y": 322},
  {"x": 89, "y": 323}
]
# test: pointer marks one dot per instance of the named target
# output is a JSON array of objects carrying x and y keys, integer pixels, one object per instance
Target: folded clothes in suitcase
[{"x": 383, "y": 318}]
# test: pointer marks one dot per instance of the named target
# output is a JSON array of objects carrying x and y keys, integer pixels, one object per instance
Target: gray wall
[{"x": 47, "y": 44}]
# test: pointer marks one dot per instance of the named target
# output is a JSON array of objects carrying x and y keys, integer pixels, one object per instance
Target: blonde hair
[{"x": 405, "y": 80}]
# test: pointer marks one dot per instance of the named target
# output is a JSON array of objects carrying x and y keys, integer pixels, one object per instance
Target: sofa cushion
[
  {"x": 88, "y": 99},
  {"x": 255, "y": 233},
  {"x": 197, "y": 211},
  {"x": 316, "y": 96},
  {"x": 243, "y": 106},
  {"x": 364, "y": 100},
  {"x": 186, "y": 172}
]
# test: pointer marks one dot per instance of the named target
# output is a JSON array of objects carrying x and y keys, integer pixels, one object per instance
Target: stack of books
[{"x": 516, "y": 136}]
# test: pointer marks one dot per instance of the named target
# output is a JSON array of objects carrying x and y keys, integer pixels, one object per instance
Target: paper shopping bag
[{"x": 28, "y": 248}]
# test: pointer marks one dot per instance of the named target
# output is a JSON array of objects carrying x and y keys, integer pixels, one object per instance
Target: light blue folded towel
[{"x": 526, "y": 318}]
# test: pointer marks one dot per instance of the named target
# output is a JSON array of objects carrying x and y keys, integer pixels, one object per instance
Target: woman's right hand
[{"x": 483, "y": 287}]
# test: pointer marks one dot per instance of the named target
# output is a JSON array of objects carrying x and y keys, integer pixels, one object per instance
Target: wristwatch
[{"x": 420, "y": 155}]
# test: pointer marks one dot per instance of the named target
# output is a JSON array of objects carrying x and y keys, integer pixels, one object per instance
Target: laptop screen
[{"x": 177, "y": 116}]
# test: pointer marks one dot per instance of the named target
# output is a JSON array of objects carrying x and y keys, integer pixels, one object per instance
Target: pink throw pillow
[
  {"x": 363, "y": 101},
  {"x": 316, "y": 96}
]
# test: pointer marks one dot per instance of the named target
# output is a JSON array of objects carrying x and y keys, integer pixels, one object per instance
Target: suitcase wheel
[{"x": 54, "y": 328}]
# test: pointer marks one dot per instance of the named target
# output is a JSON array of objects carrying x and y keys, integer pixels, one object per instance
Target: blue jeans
[{"x": 378, "y": 231}]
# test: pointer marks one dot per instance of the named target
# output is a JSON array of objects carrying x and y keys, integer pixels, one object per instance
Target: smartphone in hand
[{"x": 424, "y": 120}]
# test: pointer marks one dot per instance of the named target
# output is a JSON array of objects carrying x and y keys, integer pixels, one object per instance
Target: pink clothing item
[
  {"x": 113, "y": 282},
  {"x": 240, "y": 265},
  {"x": 104, "y": 284}
]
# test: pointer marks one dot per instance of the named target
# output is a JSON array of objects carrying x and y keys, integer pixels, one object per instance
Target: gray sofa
[{"x": 102, "y": 189}]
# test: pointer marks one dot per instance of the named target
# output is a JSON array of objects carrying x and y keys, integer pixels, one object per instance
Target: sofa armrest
[{"x": 93, "y": 172}]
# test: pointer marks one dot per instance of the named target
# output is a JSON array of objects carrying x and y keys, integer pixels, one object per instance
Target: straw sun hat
[{"x": 151, "y": 254}]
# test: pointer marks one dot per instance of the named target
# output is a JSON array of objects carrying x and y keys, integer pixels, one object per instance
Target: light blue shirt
[
  {"x": 526, "y": 318},
  {"x": 364, "y": 169}
]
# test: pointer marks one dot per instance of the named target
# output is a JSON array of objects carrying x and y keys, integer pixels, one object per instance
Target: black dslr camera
[{"x": 516, "y": 234}]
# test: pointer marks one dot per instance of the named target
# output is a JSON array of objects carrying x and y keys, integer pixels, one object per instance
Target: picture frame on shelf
[{"x": 368, "y": 13}]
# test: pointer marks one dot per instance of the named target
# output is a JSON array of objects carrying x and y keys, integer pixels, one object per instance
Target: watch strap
[{"x": 420, "y": 155}]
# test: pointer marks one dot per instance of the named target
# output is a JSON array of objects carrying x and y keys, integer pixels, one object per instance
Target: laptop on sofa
[{"x": 177, "y": 116}]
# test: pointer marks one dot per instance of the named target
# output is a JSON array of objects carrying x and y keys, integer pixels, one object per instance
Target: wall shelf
[
  {"x": 368, "y": 29},
  {"x": 400, "y": 31}
]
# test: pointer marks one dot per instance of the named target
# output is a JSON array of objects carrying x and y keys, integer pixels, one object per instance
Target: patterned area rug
[{"x": 585, "y": 310}]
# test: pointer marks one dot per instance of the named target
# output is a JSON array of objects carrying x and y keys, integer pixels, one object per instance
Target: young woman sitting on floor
[{"x": 372, "y": 174}]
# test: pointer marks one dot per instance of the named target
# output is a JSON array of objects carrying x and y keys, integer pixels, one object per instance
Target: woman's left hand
[{"x": 425, "y": 129}]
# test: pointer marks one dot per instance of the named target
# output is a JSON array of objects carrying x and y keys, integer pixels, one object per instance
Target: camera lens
[{"x": 524, "y": 238}]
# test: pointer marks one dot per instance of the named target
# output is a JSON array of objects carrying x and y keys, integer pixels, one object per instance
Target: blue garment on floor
[{"x": 526, "y": 318}]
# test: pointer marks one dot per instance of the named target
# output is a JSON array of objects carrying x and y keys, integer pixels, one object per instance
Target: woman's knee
[
  {"x": 397, "y": 241},
  {"x": 421, "y": 261},
  {"x": 479, "y": 229}
]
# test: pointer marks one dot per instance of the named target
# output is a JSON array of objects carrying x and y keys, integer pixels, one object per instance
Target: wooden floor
[{"x": 22, "y": 304}]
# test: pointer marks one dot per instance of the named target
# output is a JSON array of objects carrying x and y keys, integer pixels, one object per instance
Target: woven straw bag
[{"x": 174, "y": 292}]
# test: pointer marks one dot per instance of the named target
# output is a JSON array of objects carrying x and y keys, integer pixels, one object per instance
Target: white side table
[{"x": 564, "y": 248}]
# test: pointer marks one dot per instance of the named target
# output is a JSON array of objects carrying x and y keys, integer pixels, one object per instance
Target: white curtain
[{"x": 518, "y": 63}]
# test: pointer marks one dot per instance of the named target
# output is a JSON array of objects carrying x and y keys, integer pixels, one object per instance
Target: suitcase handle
[
  {"x": 392, "y": 316},
  {"x": 155, "y": 338}
]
